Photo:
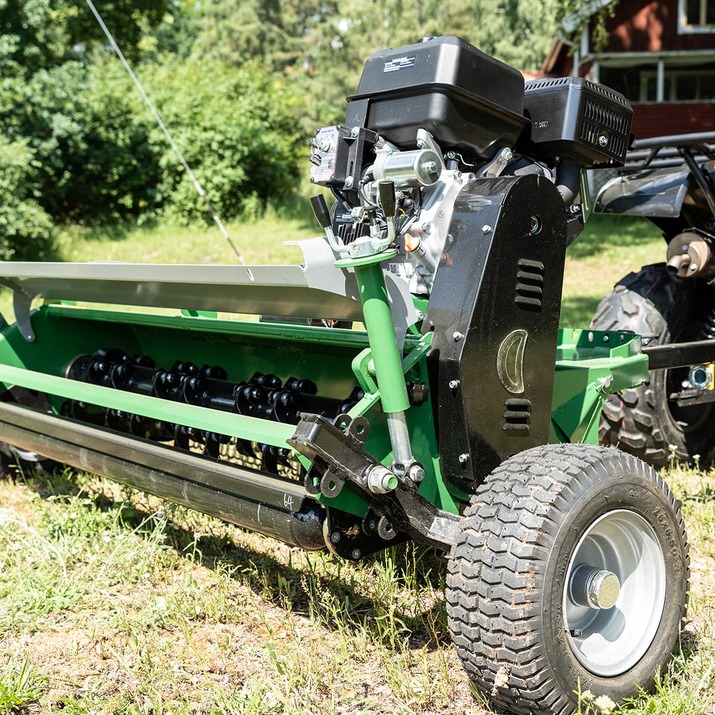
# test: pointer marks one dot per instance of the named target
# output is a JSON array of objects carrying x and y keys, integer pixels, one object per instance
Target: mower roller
[{"x": 407, "y": 381}]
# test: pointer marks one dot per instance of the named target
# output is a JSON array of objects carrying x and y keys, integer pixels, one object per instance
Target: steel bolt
[
  {"x": 457, "y": 336},
  {"x": 486, "y": 228},
  {"x": 603, "y": 140},
  {"x": 416, "y": 473},
  {"x": 356, "y": 554},
  {"x": 355, "y": 132},
  {"x": 453, "y": 384},
  {"x": 463, "y": 458},
  {"x": 349, "y": 182},
  {"x": 335, "y": 537}
]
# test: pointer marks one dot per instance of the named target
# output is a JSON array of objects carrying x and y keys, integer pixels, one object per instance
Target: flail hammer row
[{"x": 263, "y": 395}]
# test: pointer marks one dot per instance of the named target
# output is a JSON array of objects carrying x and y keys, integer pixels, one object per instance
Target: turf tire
[{"x": 515, "y": 554}]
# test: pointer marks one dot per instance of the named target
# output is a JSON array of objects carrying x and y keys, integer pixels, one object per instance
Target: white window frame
[
  {"x": 659, "y": 74},
  {"x": 684, "y": 28}
]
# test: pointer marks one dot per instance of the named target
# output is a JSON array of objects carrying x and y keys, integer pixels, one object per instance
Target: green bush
[
  {"x": 237, "y": 131},
  {"x": 96, "y": 163},
  {"x": 26, "y": 230},
  {"x": 102, "y": 157}
]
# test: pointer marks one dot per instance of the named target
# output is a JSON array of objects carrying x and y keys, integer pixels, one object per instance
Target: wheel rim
[{"x": 609, "y": 641}]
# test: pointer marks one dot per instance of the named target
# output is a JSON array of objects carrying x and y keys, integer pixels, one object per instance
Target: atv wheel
[
  {"x": 642, "y": 420},
  {"x": 570, "y": 570}
]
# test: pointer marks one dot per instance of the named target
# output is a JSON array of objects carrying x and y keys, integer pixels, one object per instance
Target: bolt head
[
  {"x": 416, "y": 473},
  {"x": 463, "y": 458},
  {"x": 603, "y": 140},
  {"x": 356, "y": 554},
  {"x": 349, "y": 182},
  {"x": 453, "y": 384},
  {"x": 486, "y": 228},
  {"x": 457, "y": 336}
]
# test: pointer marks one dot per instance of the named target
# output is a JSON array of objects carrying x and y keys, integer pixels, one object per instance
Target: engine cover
[{"x": 467, "y": 100}]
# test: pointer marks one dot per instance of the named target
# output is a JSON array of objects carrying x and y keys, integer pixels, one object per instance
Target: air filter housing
[
  {"x": 467, "y": 100},
  {"x": 575, "y": 119}
]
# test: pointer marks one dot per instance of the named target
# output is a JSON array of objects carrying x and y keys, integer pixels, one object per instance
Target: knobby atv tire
[
  {"x": 510, "y": 578},
  {"x": 664, "y": 309}
]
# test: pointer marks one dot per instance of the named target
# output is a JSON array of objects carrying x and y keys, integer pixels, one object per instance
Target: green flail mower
[{"x": 408, "y": 381}]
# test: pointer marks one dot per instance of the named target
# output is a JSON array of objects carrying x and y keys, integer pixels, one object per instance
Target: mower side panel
[{"x": 494, "y": 310}]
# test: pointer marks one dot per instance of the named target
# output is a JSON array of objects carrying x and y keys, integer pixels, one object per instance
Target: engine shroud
[{"x": 467, "y": 100}]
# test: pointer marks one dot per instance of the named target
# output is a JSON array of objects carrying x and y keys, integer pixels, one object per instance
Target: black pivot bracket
[{"x": 342, "y": 453}]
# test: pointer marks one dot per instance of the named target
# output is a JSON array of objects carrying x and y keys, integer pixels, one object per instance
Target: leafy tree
[
  {"x": 95, "y": 161},
  {"x": 26, "y": 231},
  {"x": 237, "y": 130},
  {"x": 39, "y": 34}
]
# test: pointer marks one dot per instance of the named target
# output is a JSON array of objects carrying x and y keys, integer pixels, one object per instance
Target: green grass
[
  {"x": 20, "y": 687},
  {"x": 115, "y": 602}
]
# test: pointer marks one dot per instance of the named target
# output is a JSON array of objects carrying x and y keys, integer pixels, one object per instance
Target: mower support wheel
[{"x": 571, "y": 570}]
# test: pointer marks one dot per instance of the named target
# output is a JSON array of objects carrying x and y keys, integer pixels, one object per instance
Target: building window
[
  {"x": 679, "y": 84},
  {"x": 697, "y": 16}
]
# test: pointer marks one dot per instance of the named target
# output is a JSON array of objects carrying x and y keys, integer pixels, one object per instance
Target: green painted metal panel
[
  {"x": 155, "y": 408},
  {"x": 590, "y": 365}
]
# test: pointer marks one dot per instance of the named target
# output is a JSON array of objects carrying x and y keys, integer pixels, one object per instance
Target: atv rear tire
[
  {"x": 570, "y": 570},
  {"x": 642, "y": 420}
]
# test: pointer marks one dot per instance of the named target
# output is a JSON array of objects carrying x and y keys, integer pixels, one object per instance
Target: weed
[{"x": 20, "y": 687}]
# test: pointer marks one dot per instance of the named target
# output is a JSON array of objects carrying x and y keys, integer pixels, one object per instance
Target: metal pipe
[
  {"x": 399, "y": 437},
  {"x": 269, "y": 505},
  {"x": 377, "y": 317},
  {"x": 675, "y": 140}
]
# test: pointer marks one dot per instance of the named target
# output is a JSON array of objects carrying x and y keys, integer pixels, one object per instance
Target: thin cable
[{"x": 167, "y": 134}]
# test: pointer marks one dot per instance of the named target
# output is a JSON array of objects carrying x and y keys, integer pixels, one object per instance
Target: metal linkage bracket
[
  {"x": 342, "y": 454},
  {"x": 21, "y": 304}
]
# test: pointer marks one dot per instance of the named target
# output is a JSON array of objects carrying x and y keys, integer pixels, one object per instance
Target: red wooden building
[{"x": 659, "y": 53}]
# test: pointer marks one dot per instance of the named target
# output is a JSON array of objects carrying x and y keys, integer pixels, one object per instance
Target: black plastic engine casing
[
  {"x": 467, "y": 100},
  {"x": 572, "y": 118}
]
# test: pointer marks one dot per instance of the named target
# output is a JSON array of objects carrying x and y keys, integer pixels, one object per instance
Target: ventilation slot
[
  {"x": 543, "y": 83},
  {"x": 529, "y": 284},
  {"x": 517, "y": 416},
  {"x": 598, "y": 119}
]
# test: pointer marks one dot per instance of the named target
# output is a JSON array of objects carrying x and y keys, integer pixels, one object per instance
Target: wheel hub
[{"x": 594, "y": 587}]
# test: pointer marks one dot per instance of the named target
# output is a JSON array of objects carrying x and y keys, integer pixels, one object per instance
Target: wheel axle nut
[{"x": 380, "y": 480}]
